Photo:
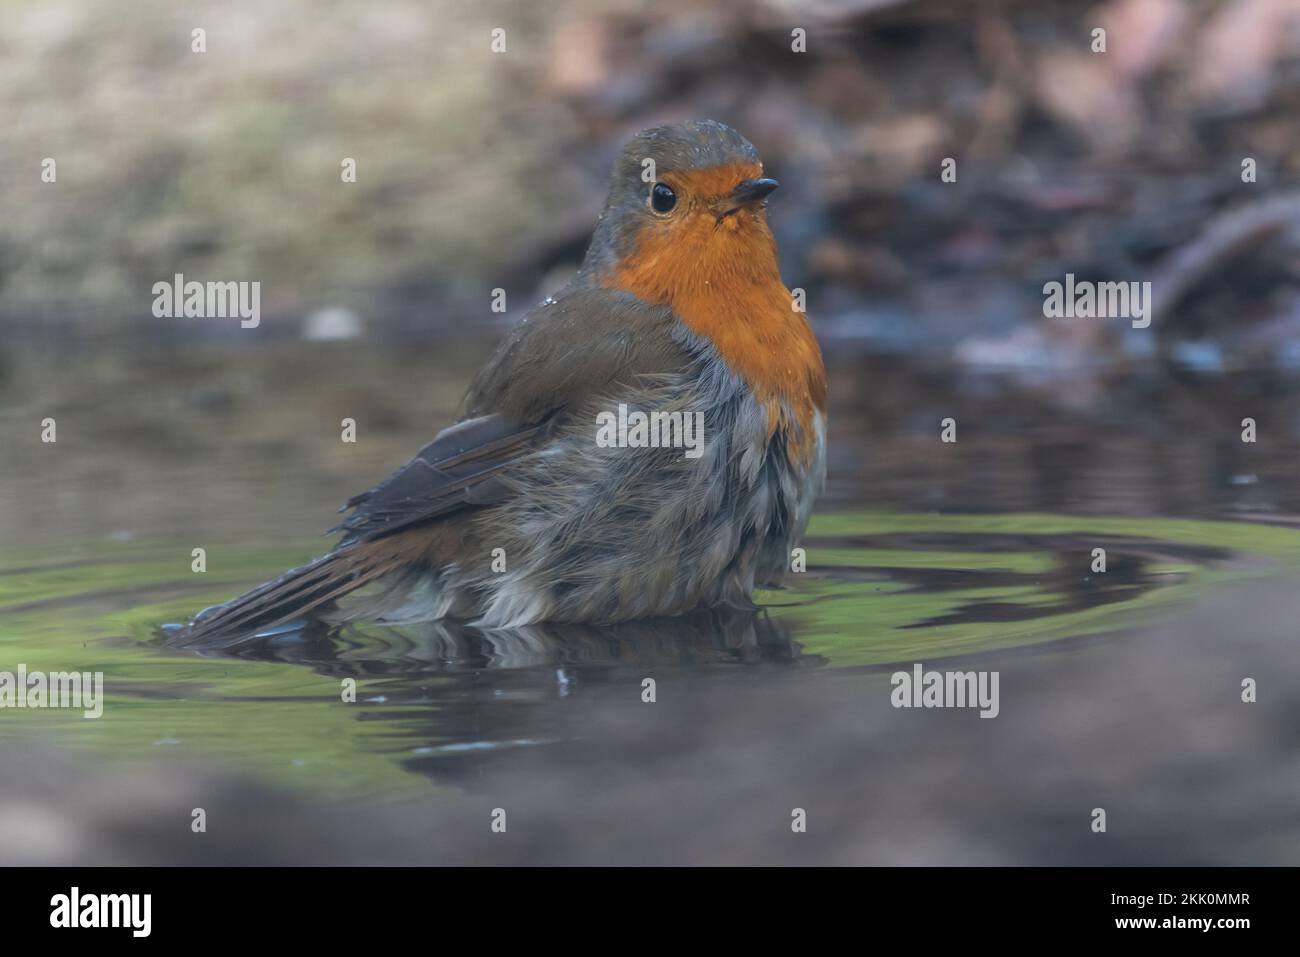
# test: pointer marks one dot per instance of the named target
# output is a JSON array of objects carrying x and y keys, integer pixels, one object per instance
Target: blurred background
[{"x": 478, "y": 170}]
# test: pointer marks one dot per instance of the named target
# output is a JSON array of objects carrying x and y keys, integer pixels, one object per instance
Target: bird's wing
[
  {"x": 458, "y": 470},
  {"x": 584, "y": 343}
]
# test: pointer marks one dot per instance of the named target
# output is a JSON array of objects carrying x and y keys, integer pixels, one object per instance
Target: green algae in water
[{"x": 881, "y": 588}]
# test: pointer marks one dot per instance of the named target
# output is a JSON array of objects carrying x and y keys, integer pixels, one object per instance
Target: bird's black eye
[{"x": 662, "y": 199}]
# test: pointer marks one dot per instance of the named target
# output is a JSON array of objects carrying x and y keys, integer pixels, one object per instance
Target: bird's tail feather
[{"x": 295, "y": 594}]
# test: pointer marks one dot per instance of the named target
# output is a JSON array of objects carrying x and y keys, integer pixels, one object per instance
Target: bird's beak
[{"x": 751, "y": 191}]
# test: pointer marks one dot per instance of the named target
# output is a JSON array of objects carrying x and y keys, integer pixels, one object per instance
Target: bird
[{"x": 534, "y": 506}]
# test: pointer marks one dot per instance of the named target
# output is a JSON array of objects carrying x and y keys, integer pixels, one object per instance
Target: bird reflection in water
[{"x": 457, "y": 698}]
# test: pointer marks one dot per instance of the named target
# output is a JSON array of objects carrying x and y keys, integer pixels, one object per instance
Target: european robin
[{"x": 648, "y": 441}]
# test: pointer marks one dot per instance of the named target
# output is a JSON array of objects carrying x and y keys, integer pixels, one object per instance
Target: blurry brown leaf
[
  {"x": 1142, "y": 34},
  {"x": 1079, "y": 90},
  {"x": 1238, "y": 50},
  {"x": 905, "y": 143}
]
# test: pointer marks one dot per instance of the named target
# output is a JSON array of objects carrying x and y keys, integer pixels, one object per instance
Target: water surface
[{"x": 978, "y": 553}]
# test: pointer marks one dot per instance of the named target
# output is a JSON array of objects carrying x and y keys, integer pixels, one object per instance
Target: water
[{"x": 922, "y": 553}]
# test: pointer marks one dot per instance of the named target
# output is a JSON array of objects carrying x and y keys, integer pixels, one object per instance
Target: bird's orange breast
[{"x": 728, "y": 289}]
